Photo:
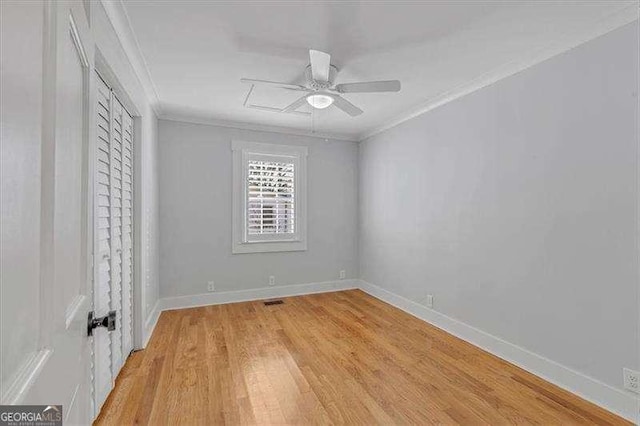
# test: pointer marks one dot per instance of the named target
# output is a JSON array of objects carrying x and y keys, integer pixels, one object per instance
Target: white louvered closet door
[
  {"x": 116, "y": 233},
  {"x": 114, "y": 242},
  {"x": 102, "y": 376},
  {"x": 127, "y": 233}
]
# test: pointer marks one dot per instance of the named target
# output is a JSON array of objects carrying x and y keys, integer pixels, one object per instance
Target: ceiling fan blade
[
  {"x": 369, "y": 87},
  {"x": 320, "y": 63},
  {"x": 275, "y": 84},
  {"x": 295, "y": 104},
  {"x": 346, "y": 106}
]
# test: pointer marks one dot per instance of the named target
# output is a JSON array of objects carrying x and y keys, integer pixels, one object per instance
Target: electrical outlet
[
  {"x": 631, "y": 380},
  {"x": 429, "y": 301},
  {"x": 343, "y": 274},
  {"x": 211, "y": 286},
  {"x": 272, "y": 280}
]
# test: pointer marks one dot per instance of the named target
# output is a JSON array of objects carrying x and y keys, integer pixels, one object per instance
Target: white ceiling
[{"x": 197, "y": 51}]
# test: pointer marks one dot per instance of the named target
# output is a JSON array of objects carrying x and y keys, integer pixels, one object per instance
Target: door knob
[{"x": 108, "y": 321}]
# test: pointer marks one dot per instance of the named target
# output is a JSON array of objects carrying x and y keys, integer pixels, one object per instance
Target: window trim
[{"x": 240, "y": 241}]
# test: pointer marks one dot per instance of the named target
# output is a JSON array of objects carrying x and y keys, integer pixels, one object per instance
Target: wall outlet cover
[
  {"x": 272, "y": 280},
  {"x": 343, "y": 274},
  {"x": 211, "y": 286},
  {"x": 631, "y": 380},
  {"x": 429, "y": 301}
]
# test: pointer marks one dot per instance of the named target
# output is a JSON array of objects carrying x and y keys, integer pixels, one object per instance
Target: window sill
[{"x": 268, "y": 246}]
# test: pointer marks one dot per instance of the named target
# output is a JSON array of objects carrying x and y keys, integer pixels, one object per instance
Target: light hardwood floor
[{"x": 342, "y": 358}]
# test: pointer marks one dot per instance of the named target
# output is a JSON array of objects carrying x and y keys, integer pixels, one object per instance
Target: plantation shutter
[{"x": 271, "y": 197}]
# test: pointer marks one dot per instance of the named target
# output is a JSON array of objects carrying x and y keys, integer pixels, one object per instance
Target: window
[{"x": 269, "y": 197}]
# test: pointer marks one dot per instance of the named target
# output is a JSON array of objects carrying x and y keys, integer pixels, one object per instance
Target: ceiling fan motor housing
[{"x": 320, "y": 85}]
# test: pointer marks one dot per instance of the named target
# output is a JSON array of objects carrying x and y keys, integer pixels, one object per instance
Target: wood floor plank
[{"x": 332, "y": 358}]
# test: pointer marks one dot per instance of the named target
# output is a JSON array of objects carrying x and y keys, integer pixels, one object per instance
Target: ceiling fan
[{"x": 320, "y": 91}]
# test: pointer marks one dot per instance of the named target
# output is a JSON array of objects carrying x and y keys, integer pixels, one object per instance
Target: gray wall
[
  {"x": 516, "y": 207},
  {"x": 195, "y": 213}
]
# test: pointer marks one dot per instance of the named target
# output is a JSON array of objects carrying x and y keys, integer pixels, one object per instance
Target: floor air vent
[{"x": 273, "y": 302}]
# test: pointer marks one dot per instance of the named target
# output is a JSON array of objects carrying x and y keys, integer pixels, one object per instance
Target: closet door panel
[
  {"x": 102, "y": 373},
  {"x": 117, "y": 355},
  {"x": 127, "y": 234}
]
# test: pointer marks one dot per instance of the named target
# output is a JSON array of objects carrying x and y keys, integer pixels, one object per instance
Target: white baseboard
[
  {"x": 206, "y": 299},
  {"x": 150, "y": 323},
  {"x": 617, "y": 401}
]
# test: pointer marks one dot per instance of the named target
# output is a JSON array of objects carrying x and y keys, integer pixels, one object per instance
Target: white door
[
  {"x": 113, "y": 246},
  {"x": 127, "y": 233},
  {"x": 62, "y": 375}
]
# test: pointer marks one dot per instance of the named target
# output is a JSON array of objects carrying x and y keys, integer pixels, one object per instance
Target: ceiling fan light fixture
[{"x": 319, "y": 101}]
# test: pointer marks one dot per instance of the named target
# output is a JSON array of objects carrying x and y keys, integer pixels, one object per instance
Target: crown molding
[
  {"x": 623, "y": 16},
  {"x": 121, "y": 24},
  {"x": 256, "y": 127}
]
